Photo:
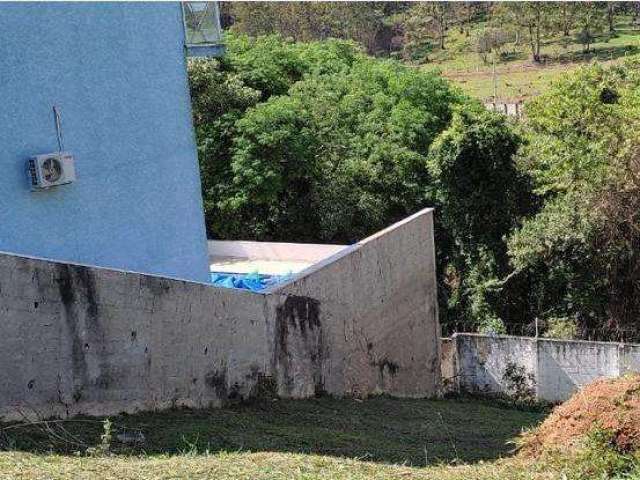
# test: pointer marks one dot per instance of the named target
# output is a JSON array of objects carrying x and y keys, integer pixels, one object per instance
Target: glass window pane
[{"x": 201, "y": 22}]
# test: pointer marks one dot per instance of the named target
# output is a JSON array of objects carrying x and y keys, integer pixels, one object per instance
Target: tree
[
  {"x": 590, "y": 21},
  {"x": 291, "y": 20},
  {"x": 427, "y": 22},
  {"x": 340, "y": 156},
  {"x": 636, "y": 11},
  {"x": 219, "y": 99},
  {"x": 481, "y": 196},
  {"x": 580, "y": 251},
  {"x": 312, "y": 141},
  {"x": 611, "y": 16},
  {"x": 465, "y": 13},
  {"x": 534, "y": 18},
  {"x": 491, "y": 40},
  {"x": 476, "y": 180},
  {"x": 565, "y": 20},
  {"x": 222, "y": 92},
  {"x": 362, "y": 22}
]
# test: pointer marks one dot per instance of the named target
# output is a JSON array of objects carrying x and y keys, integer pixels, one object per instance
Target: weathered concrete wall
[
  {"x": 564, "y": 367},
  {"x": 365, "y": 319},
  {"x": 448, "y": 366},
  {"x": 270, "y": 258},
  {"x": 482, "y": 360},
  {"x": 78, "y": 339},
  {"x": 559, "y": 367},
  {"x": 512, "y": 109},
  {"x": 629, "y": 358}
]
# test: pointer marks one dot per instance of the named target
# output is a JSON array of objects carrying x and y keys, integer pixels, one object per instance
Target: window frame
[{"x": 205, "y": 49}]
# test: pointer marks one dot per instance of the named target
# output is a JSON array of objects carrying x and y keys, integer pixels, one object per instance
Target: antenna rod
[{"x": 56, "y": 115}]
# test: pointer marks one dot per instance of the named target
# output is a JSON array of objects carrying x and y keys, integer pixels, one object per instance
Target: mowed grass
[
  {"x": 515, "y": 84},
  {"x": 380, "y": 438}
]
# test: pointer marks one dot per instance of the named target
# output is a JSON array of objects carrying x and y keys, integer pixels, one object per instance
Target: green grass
[
  {"x": 511, "y": 85},
  {"x": 517, "y": 77},
  {"x": 312, "y": 439}
]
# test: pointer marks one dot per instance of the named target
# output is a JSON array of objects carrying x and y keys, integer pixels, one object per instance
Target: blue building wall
[{"x": 117, "y": 72}]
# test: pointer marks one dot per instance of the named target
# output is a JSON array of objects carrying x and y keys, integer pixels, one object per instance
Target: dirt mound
[{"x": 610, "y": 404}]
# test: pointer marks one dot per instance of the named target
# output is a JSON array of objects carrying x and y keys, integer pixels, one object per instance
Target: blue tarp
[{"x": 246, "y": 281}]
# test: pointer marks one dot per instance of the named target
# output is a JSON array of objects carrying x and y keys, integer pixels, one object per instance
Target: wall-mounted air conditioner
[{"x": 50, "y": 170}]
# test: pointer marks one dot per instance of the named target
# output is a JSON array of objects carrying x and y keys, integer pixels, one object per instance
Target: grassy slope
[
  {"x": 379, "y": 438},
  {"x": 517, "y": 77}
]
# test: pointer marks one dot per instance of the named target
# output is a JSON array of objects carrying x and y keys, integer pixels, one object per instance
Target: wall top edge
[{"x": 543, "y": 339}]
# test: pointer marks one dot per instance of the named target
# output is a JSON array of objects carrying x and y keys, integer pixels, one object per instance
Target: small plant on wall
[{"x": 520, "y": 385}]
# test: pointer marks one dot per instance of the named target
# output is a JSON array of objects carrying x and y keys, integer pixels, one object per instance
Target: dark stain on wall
[
  {"x": 299, "y": 338},
  {"x": 234, "y": 393},
  {"x": 300, "y": 312},
  {"x": 87, "y": 283},
  {"x": 103, "y": 381},
  {"x": 217, "y": 380},
  {"x": 65, "y": 285},
  {"x": 77, "y": 288},
  {"x": 157, "y": 286},
  {"x": 264, "y": 389},
  {"x": 387, "y": 365},
  {"x": 263, "y": 386}
]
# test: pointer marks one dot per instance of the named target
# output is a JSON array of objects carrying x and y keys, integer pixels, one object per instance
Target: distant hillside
[
  {"x": 530, "y": 43},
  {"x": 516, "y": 76}
]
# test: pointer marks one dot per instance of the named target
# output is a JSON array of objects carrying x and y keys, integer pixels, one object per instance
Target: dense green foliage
[
  {"x": 319, "y": 142},
  {"x": 480, "y": 197},
  {"x": 581, "y": 249},
  {"x": 222, "y": 94},
  {"x": 313, "y": 141}
]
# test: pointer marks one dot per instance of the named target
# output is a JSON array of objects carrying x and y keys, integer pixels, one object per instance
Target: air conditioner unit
[{"x": 50, "y": 170}]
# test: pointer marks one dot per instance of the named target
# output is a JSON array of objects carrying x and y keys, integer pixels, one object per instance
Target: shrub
[
  {"x": 520, "y": 384},
  {"x": 598, "y": 458},
  {"x": 563, "y": 328}
]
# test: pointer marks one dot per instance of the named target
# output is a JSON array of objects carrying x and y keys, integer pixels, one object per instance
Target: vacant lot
[{"x": 324, "y": 438}]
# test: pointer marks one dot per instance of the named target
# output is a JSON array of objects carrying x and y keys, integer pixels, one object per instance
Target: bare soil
[{"x": 609, "y": 404}]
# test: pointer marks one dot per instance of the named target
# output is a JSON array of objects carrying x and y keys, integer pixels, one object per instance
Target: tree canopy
[
  {"x": 582, "y": 246},
  {"x": 535, "y": 222}
]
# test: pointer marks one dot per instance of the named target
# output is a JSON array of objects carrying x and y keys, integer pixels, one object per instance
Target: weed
[
  {"x": 598, "y": 458},
  {"x": 520, "y": 384},
  {"x": 104, "y": 447},
  {"x": 192, "y": 447}
]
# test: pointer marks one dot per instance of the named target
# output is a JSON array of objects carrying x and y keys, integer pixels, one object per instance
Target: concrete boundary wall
[
  {"x": 77, "y": 339},
  {"x": 476, "y": 363}
]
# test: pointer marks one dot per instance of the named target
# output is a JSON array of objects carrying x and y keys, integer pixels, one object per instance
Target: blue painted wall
[{"x": 117, "y": 71}]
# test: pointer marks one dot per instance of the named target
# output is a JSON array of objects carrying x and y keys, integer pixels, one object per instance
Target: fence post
[{"x": 538, "y": 369}]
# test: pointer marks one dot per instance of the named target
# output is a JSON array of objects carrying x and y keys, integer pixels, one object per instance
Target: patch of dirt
[{"x": 610, "y": 404}]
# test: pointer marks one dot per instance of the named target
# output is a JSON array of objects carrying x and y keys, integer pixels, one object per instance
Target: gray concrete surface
[
  {"x": 80, "y": 339},
  {"x": 376, "y": 329},
  {"x": 477, "y": 363}
]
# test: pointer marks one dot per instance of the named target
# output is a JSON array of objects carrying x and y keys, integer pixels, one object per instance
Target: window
[{"x": 203, "y": 35}]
